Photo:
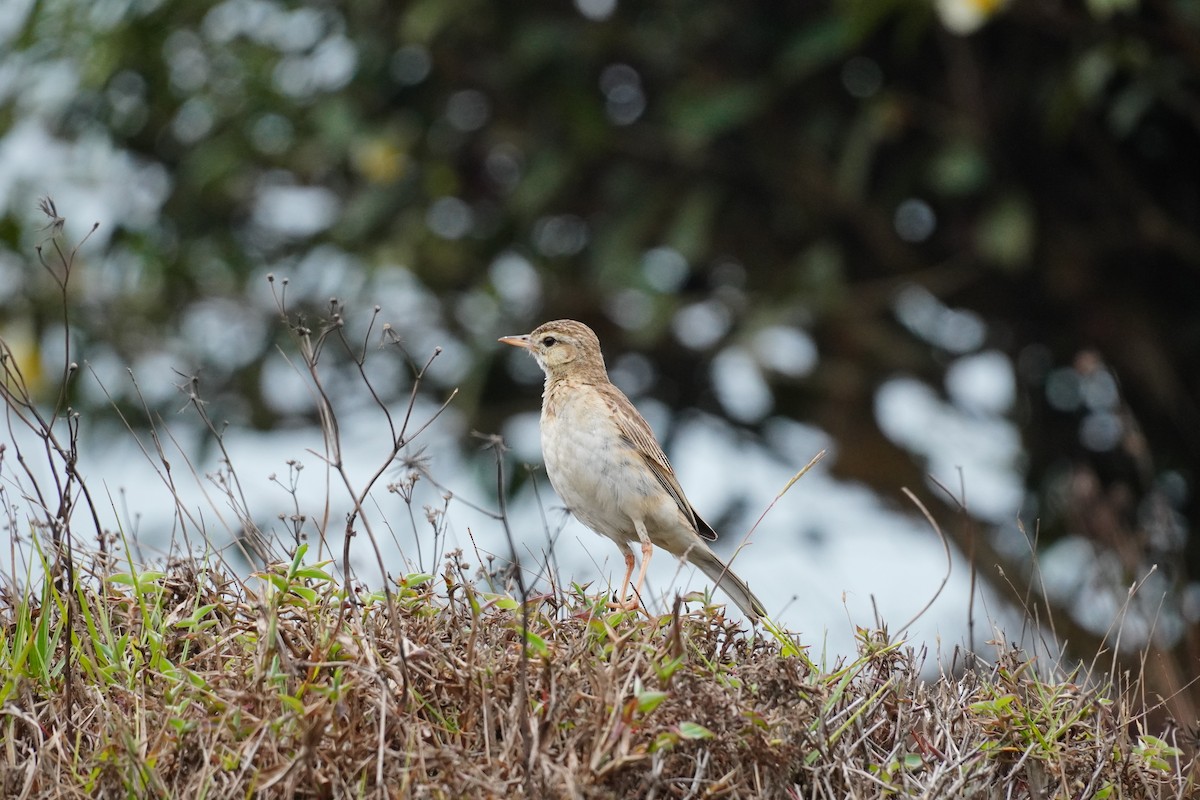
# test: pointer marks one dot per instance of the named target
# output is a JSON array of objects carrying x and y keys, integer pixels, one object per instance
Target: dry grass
[{"x": 190, "y": 683}]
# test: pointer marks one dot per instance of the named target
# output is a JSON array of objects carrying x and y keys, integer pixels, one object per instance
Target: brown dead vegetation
[{"x": 190, "y": 683}]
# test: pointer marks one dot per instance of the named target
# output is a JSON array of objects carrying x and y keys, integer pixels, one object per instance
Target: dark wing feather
[{"x": 635, "y": 431}]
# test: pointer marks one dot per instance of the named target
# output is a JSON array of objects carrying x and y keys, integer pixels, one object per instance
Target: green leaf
[
  {"x": 142, "y": 583},
  {"x": 668, "y": 668},
  {"x": 305, "y": 593},
  {"x": 292, "y": 703},
  {"x": 297, "y": 558},
  {"x": 278, "y": 581},
  {"x": 694, "y": 730},
  {"x": 196, "y": 620},
  {"x": 997, "y": 706},
  {"x": 537, "y": 644},
  {"x": 664, "y": 741},
  {"x": 1147, "y": 741},
  {"x": 313, "y": 574},
  {"x": 649, "y": 700}
]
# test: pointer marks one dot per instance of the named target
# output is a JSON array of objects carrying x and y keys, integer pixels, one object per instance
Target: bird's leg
[
  {"x": 647, "y": 550},
  {"x": 624, "y": 581}
]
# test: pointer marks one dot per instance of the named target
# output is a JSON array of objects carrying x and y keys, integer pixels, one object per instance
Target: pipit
[{"x": 607, "y": 467}]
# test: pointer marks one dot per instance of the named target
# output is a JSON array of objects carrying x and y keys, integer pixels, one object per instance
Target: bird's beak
[{"x": 518, "y": 341}]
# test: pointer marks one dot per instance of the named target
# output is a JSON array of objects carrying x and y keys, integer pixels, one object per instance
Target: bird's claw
[{"x": 625, "y": 605}]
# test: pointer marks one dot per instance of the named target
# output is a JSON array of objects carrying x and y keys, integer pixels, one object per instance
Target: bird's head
[{"x": 562, "y": 347}]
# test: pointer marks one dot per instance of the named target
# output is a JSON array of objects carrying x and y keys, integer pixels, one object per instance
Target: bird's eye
[{"x": 549, "y": 341}]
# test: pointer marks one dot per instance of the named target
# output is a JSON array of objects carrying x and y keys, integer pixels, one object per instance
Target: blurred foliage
[{"x": 896, "y": 184}]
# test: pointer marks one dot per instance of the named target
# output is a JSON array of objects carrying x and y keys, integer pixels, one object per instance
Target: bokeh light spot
[
  {"x": 740, "y": 386},
  {"x": 516, "y": 282},
  {"x": 665, "y": 268},
  {"x": 983, "y": 382},
  {"x": 955, "y": 330},
  {"x": 596, "y": 10},
  {"x": 1100, "y": 431},
  {"x": 1063, "y": 391},
  {"x": 914, "y": 220},
  {"x": 632, "y": 309},
  {"x": 410, "y": 65},
  {"x": 271, "y": 134},
  {"x": 504, "y": 165},
  {"x": 468, "y": 110},
  {"x": 701, "y": 325},
  {"x": 624, "y": 98},
  {"x": 862, "y": 77},
  {"x": 560, "y": 235},
  {"x": 449, "y": 218},
  {"x": 786, "y": 350}
]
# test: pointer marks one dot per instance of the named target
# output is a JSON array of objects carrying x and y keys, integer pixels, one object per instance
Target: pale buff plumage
[{"x": 605, "y": 464}]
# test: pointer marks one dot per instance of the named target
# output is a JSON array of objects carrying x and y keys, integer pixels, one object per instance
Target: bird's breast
[{"x": 595, "y": 471}]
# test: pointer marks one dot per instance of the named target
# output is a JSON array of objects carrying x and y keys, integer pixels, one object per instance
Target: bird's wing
[{"x": 637, "y": 434}]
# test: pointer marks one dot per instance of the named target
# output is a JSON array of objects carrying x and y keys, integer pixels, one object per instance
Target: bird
[{"x": 611, "y": 473}]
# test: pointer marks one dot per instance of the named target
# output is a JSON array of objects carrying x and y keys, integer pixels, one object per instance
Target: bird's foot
[{"x": 632, "y": 604}]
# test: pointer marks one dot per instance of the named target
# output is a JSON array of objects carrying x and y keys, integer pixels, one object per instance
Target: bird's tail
[{"x": 730, "y": 583}]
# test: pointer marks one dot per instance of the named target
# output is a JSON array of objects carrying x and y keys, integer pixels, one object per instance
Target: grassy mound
[{"x": 187, "y": 682}]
